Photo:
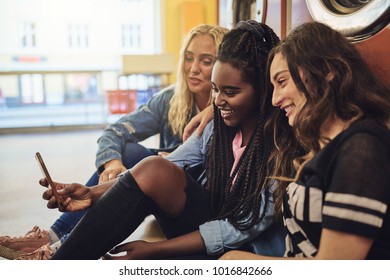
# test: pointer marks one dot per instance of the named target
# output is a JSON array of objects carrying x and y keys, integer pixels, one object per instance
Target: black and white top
[{"x": 346, "y": 188}]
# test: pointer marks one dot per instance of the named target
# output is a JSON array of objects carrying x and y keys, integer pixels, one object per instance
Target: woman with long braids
[{"x": 236, "y": 203}]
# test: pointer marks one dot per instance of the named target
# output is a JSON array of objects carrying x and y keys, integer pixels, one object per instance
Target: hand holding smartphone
[{"x": 48, "y": 178}]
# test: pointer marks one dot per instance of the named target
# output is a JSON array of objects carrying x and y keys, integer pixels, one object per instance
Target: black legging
[{"x": 118, "y": 213}]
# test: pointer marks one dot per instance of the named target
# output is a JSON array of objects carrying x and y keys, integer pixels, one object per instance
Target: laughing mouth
[
  {"x": 287, "y": 109},
  {"x": 226, "y": 113}
]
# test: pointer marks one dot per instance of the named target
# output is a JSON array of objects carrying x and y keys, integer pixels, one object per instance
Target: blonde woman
[{"x": 167, "y": 113}]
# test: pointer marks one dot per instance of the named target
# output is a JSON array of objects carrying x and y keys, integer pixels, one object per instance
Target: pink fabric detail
[{"x": 237, "y": 151}]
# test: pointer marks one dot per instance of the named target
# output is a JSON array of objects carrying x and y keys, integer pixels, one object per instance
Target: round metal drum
[{"x": 365, "y": 23}]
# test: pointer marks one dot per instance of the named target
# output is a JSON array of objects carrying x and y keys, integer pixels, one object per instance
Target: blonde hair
[{"x": 182, "y": 102}]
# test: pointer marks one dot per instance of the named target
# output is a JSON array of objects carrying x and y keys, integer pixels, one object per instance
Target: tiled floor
[{"x": 69, "y": 157}]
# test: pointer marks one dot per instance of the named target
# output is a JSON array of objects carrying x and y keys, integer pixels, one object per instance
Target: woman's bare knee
[
  {"x": 154, "y": 170},
  {"x": 163, "y": 182}
]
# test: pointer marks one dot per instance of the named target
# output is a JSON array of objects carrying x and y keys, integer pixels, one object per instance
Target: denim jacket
[
  {"x": 148, "y": 120},
  {"x": 218, "y": 235}
]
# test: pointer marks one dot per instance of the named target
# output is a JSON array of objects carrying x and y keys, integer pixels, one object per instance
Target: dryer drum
[{"x": 356, "y": 19}]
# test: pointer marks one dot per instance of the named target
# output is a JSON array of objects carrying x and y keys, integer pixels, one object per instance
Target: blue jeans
[{"x": 132, "y": 154}]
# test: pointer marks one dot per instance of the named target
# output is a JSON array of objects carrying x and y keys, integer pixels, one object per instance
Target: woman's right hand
[
  {"x": 112, "y": 169},
  {"x": 75, "y": 197}
]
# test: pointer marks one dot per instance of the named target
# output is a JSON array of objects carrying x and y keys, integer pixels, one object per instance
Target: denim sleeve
[
  {"x": 221, "y": 234},
  {"x": 146, "y": 121},
  {"x": 194, "y": 150}
]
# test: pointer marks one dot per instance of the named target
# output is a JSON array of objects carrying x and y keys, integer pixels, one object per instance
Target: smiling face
[
  {"x": 286, "y": 95},
  {"x": 235, "y": 98},
  {"x": 198, "y": 63}
]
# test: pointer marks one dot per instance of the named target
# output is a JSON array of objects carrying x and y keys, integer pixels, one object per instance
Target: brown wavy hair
[{"x": 352, "y": 93}]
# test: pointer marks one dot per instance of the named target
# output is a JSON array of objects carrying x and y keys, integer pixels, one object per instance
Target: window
[
  {"x": 78, "y": 36},
  {"x": 139, "y": 27},
  {"x": 28, "y": 36},
  {"x": 131, "y": 36},
  {"x": 80, "y": 87},
  {"x": 31, "y": 88}
]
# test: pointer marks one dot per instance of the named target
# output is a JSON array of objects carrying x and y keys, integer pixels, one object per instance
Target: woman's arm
[
  {"x": 334, "y": 245},
  {"x": 188, "y": 244},
  {"x": 75, "y": 196},
  {"x": 194, "y": 150},
  {"x": 220, "y": 235},
  {"x": 146, "y": 121},
  {"x": 199, "y": 122}
]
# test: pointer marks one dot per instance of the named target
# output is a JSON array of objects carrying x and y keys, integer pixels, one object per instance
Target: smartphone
[{"x": 47, "y": 176}]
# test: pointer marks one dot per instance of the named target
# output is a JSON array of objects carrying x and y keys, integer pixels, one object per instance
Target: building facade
[{"x": 57, "y": 52}]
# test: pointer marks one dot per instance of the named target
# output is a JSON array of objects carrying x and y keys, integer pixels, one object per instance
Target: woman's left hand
[
  {"x": 136, "y": 250},
  {"x": 163, "y": 154}
]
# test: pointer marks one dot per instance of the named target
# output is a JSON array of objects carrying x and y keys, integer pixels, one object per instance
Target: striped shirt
[{"x": 346, "y": 188}]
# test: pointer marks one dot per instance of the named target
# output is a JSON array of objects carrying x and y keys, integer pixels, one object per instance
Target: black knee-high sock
[{"x": 108, "y": 222}]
